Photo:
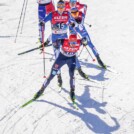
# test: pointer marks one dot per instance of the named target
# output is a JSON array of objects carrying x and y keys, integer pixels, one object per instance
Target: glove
[
  {"x": 45, "y": 45},
  {"x": 78, "y": 20},
  {"x": 72, "y": 24},
  {"x": 84, "y": 41},
  {"x": 41, "y": 23}
]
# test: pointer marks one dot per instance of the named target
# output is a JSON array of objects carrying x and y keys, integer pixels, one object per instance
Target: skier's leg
[
  {"x": 71, "y": 64},
  {"x": 56, "y": 49},
  {"x": 56, "y": 53},
  {"x": 90, "y": 44},
  {"x": 95, "y": 52},
  {"x": 78, "y": 67},
  {"x": 56, "y": 66},
  {"x": 77, "y": 63},
  {"x": 85, "y": 34}
]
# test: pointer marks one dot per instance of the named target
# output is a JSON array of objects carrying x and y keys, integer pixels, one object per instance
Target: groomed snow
[{"x": 105, "y": 108}]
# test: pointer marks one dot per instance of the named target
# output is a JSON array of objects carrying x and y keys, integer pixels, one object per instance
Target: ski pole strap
[
  {"x": 19, "y": 21},
  {"x": 28, "y": 51}
]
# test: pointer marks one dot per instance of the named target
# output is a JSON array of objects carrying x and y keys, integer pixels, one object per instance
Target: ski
[
  {"x": 75, "y": 105},
  {"x": 94, "y": 81},
  {"x": 28, "y": 51},
  {"x": 60, "y": 89},
  {"x": 108, "y": 69},
  {"x": 27, "y": 103},
  {"x": 91, "y": 80},
  {"x": 111, "y": 70}
]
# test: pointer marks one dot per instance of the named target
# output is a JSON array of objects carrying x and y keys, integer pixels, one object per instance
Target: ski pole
[
  {"x": 29, "y": 50},
  {"x": 19, "y": 21},
  {"x": 88, "y": 24},
  {"x": 90, "y": 54},
  {"x": 81, "y": 51},
  {"x": 43, "y": 48},
  {"x": 24, "y": 17}
]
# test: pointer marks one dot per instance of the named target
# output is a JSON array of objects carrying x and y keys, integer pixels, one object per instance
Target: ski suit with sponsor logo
[
  {"x": 59, "y": 26},
  {"x": 80, "y": 7},
  {"x": 67, "y": 56}
]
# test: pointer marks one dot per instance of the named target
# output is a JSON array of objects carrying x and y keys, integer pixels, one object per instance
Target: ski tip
[
  {"x": 75, "y": 106},
  {"x": 22, "y": 106},
  {"x": 27, "y": 103}
]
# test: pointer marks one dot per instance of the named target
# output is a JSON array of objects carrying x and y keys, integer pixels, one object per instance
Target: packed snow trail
[{"x": 103, "y": 108}]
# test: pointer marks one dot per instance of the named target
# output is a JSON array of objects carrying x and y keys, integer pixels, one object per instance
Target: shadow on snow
[{"x": 92, "y": 121}]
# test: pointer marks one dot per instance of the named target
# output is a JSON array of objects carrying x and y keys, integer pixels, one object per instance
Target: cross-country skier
[
  {"x": 81, "y": 7},
  {"x": 68, "y": 5},
  {"x": 60, "y": 21},
  {"x": 80, "y": 28},
  {"x": 78, "y": 13},
  {"x": 44, "y": 8},
  {"x": 67, "y": 55}
]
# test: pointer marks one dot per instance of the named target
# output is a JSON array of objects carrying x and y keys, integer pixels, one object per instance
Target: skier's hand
[
  {"x": 41, "y": 23},
  {"x": 78, "y": 20},
  {"x": 84, "y": 41},
  {"x": 72, "y": 24}
]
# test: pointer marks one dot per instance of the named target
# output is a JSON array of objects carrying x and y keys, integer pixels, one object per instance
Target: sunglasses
[
  {"x": 73, "y": 2},
  {"x": 75, "y": 14},
  {"x": 60, "y": 6}
]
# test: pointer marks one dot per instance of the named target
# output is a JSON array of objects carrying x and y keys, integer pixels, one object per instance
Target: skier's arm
[
  {"x": 72, "y": 22},
  {"x": 48, "y": 18},
  {"x": 84, "y": 7},
  {"x": 84, "y": 41},
  {"x": 83, "y": 18}
]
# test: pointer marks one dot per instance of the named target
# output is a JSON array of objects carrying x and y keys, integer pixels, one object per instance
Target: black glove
[
  {"x": 41, "y": 23},
  {"x": 72, "y": 24},
  {"x": 84, "y": 41},
  {"x": 78, "y": 20}
]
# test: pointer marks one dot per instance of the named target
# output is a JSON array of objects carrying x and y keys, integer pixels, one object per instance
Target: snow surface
[{"x": 105, "y": 108}]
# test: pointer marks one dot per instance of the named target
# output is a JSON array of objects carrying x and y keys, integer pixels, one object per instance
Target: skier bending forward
[{"x": 67, "y": 55}]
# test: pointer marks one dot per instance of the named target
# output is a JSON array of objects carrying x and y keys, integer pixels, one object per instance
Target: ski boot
[
  {"x": 39, "y": 93},
  {"x": 100, "y": 62},
  {"x": 59, "y": 80},
  {"x": 82, "y": 74},
  {"x": 72, "y": 95}
]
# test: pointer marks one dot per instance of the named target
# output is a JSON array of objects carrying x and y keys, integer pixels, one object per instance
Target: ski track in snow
[{"x": 105, "y": 108}]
